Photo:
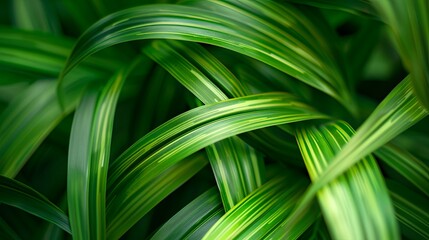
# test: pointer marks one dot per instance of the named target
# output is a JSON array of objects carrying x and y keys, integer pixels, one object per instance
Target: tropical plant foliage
[{"x": 214, "y": 119}]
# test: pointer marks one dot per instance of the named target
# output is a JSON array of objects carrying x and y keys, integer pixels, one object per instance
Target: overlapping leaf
[
  {"x": 23, "y": 128},
  {"x": 190, "y": 132},
  {"x": 19, "y": 195},
  {"x": 89, "y": 155},
  {"x": 236, "y": 165},
  {"x": 409, "y": 25},
  {"x": 398, "y": 111},
  {"x": 411, "y": 210},
  {"x": 355, "y": 205},
  {"x": 260, "y": 212},
  {"x": 410, "y": 167}
]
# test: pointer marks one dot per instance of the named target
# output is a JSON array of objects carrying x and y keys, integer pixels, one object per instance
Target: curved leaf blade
[
  {"x": 23, "y": 128},
  {"x": 190, "y": 132},
  {"x": 355, "y": 205},
  {"x": 409, "y": 25},
  {"x": 19, "y": 195},
  {"x": 89, "y": 155},
  {"x": 151, "y": 193},
  {"x": 410, "y": 167},
  {"x": 200, "y": 215},
  {"x": 242, "y": 31}
]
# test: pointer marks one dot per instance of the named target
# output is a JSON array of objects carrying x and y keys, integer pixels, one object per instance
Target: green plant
[{"x": 214, "y": 119}]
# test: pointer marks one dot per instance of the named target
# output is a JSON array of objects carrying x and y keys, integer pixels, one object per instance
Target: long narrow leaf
[
  {"x": 35, "y": 15},
  {"x": 89, "y": 155},
  {"x": 19, "y": 195},
  {"x": 200, "y": 215},
  {"x": 235, "y": 164},
  {"x": 238, "y": 28},
  {"x": 273, "y": 108},
  {"x": 7, "y": 232},
  {"x": 151, "y": 193},
  {"x": 355, "y": 205},
  {"x": 238, "y": 169},
  {"x": 398, "y": 111},
  {"x": 411, "y": 168},
  {"x": 23, "y": 128},
  {"x": 409, "y": 25}
]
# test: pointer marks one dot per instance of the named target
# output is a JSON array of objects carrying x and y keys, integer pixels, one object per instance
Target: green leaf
[
  {"x": 121, "y": 217},
  {"x": 398, "y": 111},
  {"x": 241, "y": 115},
  {"x": 191, "y": 64},
  {"x": 19, "y": 195},
  {"x": 408, "y": 22},
  {"x": 89, "y": 155},
  {"x": 35, "y": 15},
  {"x": 200, "y": 215},
  {"x": 235, "y": 164},
  {"x": 7, "y": 232},
  {"x": 239, "y": 26},
  {"x": 238, "y": 169},
  {"x": 361, "y": 7},
  {"x": 355, "y": 205},
  {"x": 190, "y": 132},
  {"x": 23, "y": 128},
  {"x": 410, "y": 167},
  {"x": 45, "y": 55},
  {"x": 260, "y": 212}
]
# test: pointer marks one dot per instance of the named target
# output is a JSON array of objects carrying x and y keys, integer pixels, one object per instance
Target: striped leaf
[
  {"x": 260, "y": 212},
  {"x": 398, "y": 111},
  {"x": 280, "y": 108},
  {"x": 361, "y": 7},
  {"x": 235, "y": 164},
  {"x": 240, "y": 28},
  {"x": 122, "y": 217},
  {"x": 355, "y": 205},
  {"x": 200, "y": 215},
  {"x": 89, "y": 155},
  {"x": 411, "y": 211},
  {"x": 45, "y": 55},
  {"x": 23, "y": 128},
  {"x": 19, "y": 195},
  {"x": 190, "y": 132},
  {"x": 238, "y": 169},
  {"x": 35, "y": 15}
]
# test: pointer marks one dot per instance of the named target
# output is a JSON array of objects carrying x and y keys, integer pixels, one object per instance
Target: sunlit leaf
[{"x": 200, "y": 215}]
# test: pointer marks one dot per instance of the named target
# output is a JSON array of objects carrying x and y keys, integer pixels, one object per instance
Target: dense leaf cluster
[{"x": 214, "y": 119}]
